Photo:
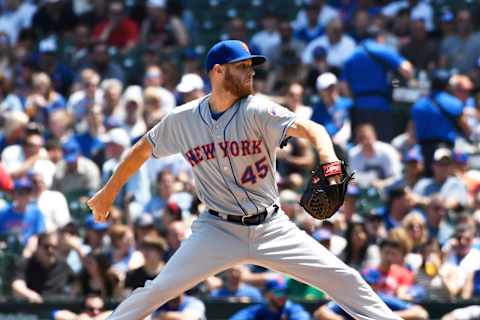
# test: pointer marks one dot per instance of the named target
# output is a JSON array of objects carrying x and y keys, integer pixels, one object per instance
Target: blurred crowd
[{"x": 395, "y": 83}]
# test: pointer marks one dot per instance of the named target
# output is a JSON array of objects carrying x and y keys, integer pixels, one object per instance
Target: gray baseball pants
[{"x": 277, "y": 244}]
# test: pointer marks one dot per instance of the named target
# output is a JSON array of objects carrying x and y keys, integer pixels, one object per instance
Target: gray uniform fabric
[{"x": 238, "y": 178}]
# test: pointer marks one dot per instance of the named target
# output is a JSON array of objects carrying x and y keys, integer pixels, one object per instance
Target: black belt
[{"x": 245, "y": 220}]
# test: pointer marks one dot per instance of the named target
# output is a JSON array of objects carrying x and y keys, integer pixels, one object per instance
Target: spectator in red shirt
[
  {"x": 117, "y": 30},
  {"x": 390, "y": 277}
]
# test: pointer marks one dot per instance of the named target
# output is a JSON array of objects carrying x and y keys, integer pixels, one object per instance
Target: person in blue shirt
[
  {"x": 234, "y": 289},
  {"x": 438, "y": 119},
  {"x": 405, "y": 310},
  {"x": 21, "y": 218},
  {"x": 367, "y": 74},
  {"x": 276, "y": 307},
  {"x": 332, "y": 111},
  {"x": 181, "y": 307},
  {"x": 90, "y": 142}
]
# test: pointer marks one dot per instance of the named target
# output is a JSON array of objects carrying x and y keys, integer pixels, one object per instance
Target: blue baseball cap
[
  {"x": 91, "y": 224},
  {"x": 414, "y": 155},
  {"x": 23, "y": 183},
  {"x": 230, "y": 51},
  {"x": 71, "y": 151}
]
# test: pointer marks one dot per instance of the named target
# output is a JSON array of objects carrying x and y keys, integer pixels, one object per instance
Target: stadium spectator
[
  {"x": 44, "y": 274},
  {"x": 182, "y": 307},
  {"x": 91, "y": 141},
  {"x": 43, "y": 99},
  {"x": 339, "y": 45},
  {"x": 161, "y": 29},
  {"x": 332, "y": 110},
  {"x": 133, "y": 110},
  {"x": 449, "y": 188},
  {"x": 416, "y": 9},
  {"x": 13, "y": 129},
  {"x": 359, "y": 28},
  {"x": 443, "y": 110},
  {"x": 164, "y": 190},
  {"x": 30, "y": 155},
  {"x": 75, "y": 173},
  {"x": 405, "y": 310},
  {"x": 49, "y": 61},
  {"x": 406, "y": 142},
  {"x": 112, "y": 93},
  {"x": 425, "y": 59},
  {"x": 21, "y": 218},
  {"x": 234, "y": 289},
  {"x": 117, "y": 29},
  {"x": 76, "y": 53},
  {"x": 277, "y": 306},
  {"x": 53, "y": 17},
  {"x": 268, "y": 38},
  {"x": 324, "y": 13},
  {"x": 376, "y": 162},
  {"x": 310, "y": 29},
  {"x": 99, "y": 60},
  {"x": 461, "y": 251},
  {"x": 153, "y": 248},
  {"x": 461, "y": 50},
  {"x": 143, "y": 226},
  {"x": 93, "y": 309},
  {"x": 191, "y": 87},
  {"x": 154, "y": 77},
  {"x": 372, "y": 96},
  {"x": 176, "y": 232},
  {"x": 438, "y": 280},
  {"x": 391, "y": 277},
  {"x": 60, "y": 126},
  {"x": 461, "y": 87},
  {"x": 87, "y": 95},
  {"x": 52, "y": 204},
  {"x": 359, "y": 252},
  {"x": 16, "y": 16}
]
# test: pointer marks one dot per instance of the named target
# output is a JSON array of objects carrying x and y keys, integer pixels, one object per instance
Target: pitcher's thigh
[{"x": 295, "y": 253}]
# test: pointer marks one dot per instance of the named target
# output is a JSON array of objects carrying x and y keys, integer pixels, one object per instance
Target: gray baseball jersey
[{"x": 233, "y": 158}]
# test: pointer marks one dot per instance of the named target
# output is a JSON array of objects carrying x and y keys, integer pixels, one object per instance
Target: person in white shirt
[
  {"x": 19, "y": 159},
  {"x": 325, "y": 14},
  {"x": 339, "y": 46},
  {"x": 268, "y": 39},
  {"x": 376, "y": 163},
  {"x": 419, "y": 9},
  {"x": 52, "y": 204},
  {"x": 88, "y": 94}
]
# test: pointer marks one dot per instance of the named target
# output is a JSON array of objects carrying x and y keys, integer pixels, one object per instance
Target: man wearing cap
[
  {"x": 190, "y": 87},
  {"x": 332, "y": 110},
  {"x": 443, "y": 183},
  {"x": 21, "y": 218},
  {"x": 229, "y": 138},
  {"x": 75, "y": 174},
  {"x": 276, "y": 307}
]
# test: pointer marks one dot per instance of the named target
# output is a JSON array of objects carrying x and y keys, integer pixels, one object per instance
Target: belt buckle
[{"x": 243, "y": 219}]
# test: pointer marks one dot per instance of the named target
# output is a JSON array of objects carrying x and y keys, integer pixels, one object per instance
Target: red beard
[{"x": 235, "y": 86}]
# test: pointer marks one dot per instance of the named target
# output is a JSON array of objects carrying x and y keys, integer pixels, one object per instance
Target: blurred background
[{"x": 395, "y": 83}]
